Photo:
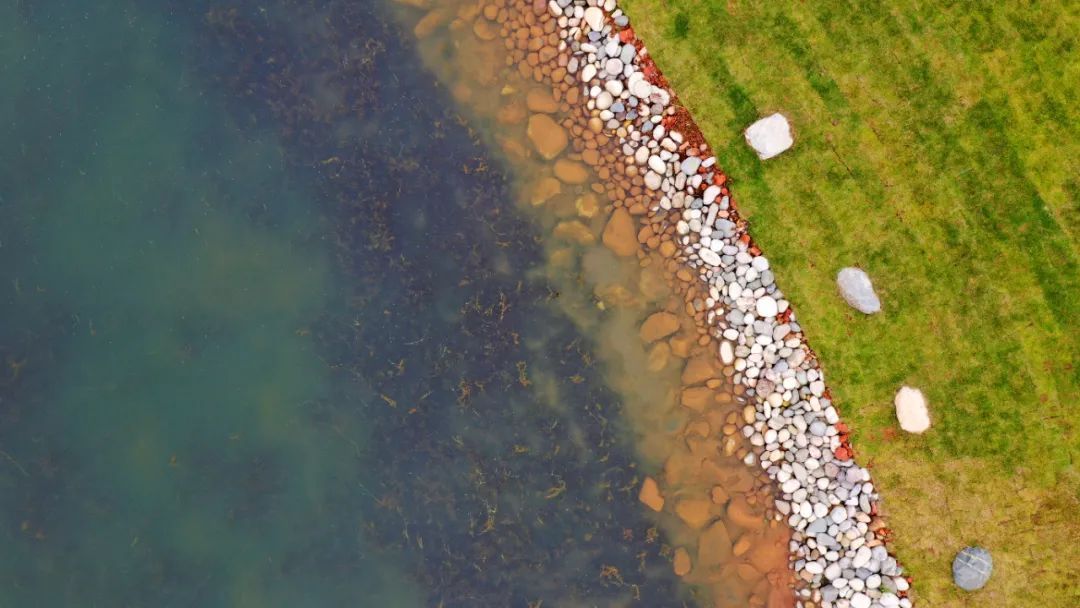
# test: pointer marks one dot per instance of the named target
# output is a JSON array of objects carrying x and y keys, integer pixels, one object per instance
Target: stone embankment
[{"x": 837, "y": 547}]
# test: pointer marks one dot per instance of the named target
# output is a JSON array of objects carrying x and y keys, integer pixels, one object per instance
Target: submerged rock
[
  {"x": 769, "y": 136},
  {"x": 619, "y": 233},
  {"x": 681, "y": 562},
  {"x": 659, "y": 325},
  {"x": 858, "y": 291},
  {"x": 972, "y": 568},
  {"x": 911, "y": 410},
  {"x": 547, "y": 135},
  {"x": 571, "y": 172},
  {"x": 650, "y": 495}
]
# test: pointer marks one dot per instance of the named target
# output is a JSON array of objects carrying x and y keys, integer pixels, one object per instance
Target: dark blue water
[{"x": 266, "y": 335}]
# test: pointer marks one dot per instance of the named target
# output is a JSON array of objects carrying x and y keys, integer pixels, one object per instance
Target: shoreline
[
  {"x": 836, "y": 528},
  {"x": 751, "y": 386},
  {"x": 837, "y": 561}
]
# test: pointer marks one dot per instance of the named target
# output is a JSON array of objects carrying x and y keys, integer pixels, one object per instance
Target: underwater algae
[{"x": 503, "y": 469}]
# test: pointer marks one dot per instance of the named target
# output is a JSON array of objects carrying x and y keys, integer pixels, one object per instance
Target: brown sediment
[{"x": 626, "y": 284}]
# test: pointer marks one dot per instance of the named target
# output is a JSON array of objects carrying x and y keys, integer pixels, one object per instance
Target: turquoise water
[
  {"x": 160, "y": 277},
  {"x": 265, "y": 336}
]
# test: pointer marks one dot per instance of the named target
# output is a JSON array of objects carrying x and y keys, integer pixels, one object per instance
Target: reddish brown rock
[
  {"x": 681, "y": 562},
  {"x": 659, "y": 325},
  {"x": 619, "y": 234},
  {"x": 650, "y": 494}
]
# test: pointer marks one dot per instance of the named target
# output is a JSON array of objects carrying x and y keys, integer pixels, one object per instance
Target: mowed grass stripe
[{"x": 936, "y": 147}]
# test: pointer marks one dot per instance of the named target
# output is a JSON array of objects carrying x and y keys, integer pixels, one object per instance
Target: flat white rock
[
  {"x": 858, "y": 291},
  {"x": 709, "y": 256},
  {"x": 911, "y": 410},
  {"x": 769, "y": 136}
]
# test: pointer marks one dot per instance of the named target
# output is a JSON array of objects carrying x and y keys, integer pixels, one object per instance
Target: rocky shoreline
[
  {"x": 838, "y": 546},
  {"x": 760, "y": 497}
]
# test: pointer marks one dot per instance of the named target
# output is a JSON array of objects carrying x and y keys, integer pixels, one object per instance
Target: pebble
[
  {"x": 690, "y": 165},
  {"x": 656, "y": 164},
  {"x": 767, "y": 307},
  {"x": 594, "y": 17},
  {"x": 710, "y": 257}
]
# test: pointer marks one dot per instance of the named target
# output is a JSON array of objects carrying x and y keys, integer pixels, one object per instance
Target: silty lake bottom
[{"x": 271, "y": 335}]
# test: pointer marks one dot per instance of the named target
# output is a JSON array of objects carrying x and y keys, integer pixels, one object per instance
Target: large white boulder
[
  {"x": 769, "y": 136},
  {"x": 858, "y": 291},
  {"x": 911, "y": 410}
]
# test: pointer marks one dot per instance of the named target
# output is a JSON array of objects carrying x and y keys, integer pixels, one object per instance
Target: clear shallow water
[{"x": 266, "y": 336}]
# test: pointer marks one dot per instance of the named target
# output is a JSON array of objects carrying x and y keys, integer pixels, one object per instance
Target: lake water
[{"x": 267, "y": 335}]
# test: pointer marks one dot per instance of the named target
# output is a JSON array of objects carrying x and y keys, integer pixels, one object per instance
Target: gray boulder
[
  {"x": 971, "y": 568},
  {"x": 857, "y": 290}
]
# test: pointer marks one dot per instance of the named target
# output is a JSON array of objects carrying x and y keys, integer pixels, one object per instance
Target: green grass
[{"x": 936, "y": 147}]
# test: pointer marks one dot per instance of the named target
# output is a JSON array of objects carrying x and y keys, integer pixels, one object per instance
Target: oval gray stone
[
  {"x": 971, "y": 568},
  {"x": 857, "y": 290}
]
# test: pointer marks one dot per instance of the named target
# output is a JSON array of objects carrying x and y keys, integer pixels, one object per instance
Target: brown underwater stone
[
  {"x": 619, "y": 234},
  {"x": 650, "y": 495},
  {"x": 659, "y": 325}
]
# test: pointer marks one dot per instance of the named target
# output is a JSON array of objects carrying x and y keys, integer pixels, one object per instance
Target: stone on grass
[
  {"x": 857, "y": 290},
  {"x": 769, "y": 136},
  {"x": 971, "y": 568},
  {"x": 911, "y": 410}
]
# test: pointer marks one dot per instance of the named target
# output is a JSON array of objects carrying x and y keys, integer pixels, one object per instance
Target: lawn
[{"x": 936, "y": 147}]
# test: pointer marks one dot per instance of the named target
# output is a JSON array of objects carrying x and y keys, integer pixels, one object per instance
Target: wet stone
[{"x": 547, "y": 136}]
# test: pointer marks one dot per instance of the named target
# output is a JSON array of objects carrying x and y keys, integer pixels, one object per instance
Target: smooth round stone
[
  {"x": 767, "y": 307},
  {"x": 860, "y": 600},
  {"x": 656, "y": 164},
  {"x": 615, "y": 87},
  {"x": 972, "y": 568},
  {"x": 603, "y": 100},
  {"x": 641, "y": 88},
  {"x": 588, "y": 73},
  {"x": 613, "y": 66}
]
